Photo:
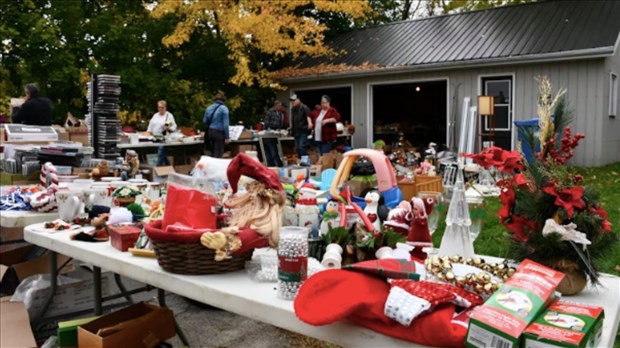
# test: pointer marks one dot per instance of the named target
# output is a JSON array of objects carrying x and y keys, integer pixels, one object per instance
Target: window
[
  {"x": 613, "y": 94},
  {"x": 501, "y": 89}
]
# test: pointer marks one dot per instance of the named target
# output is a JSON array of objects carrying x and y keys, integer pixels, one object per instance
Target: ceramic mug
[
  {"x": 69, "y": 204},
  {"x": 97, "y": 196}
]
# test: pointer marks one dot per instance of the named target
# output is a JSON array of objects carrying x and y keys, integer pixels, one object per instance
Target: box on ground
[
  {"x": 26, "y": 260},
  {"x": 160, "y": 174},
  {"x": 15, "y": 324},
  {"x": 68, "y": 331},
  {"x": 566, "y": 324},
  {"x": 501, "y": 320},
  {"x": 139, "y": 325},
  {"x": 71, "y": 296},
  {"x": 124, "y": 237}
]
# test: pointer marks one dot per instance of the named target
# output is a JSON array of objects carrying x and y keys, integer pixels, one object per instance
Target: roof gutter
[{"x": 590, "y": 53}]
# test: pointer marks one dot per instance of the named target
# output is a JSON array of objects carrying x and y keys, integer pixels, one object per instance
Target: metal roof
[{"x": 539, "y": 30}]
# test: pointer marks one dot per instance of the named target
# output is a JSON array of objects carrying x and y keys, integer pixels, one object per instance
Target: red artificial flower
[
  {"x": 600, "y": 211},
  {"x": 521, "y": 227},
  {"x": 507, "y": 196},
  {"x": 506, "y": 161},
  {"x": 521, "y": 181},
  {"x": 568, "y": 198}
]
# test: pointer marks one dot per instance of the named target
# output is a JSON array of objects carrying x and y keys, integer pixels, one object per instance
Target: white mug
[
  {"x": 97, "y": 196},
  {"x": 69, "y": 204}
]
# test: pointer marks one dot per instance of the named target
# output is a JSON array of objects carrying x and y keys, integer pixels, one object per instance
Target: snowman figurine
[
  {"x": 331, "y": 217},
  {"x": 372, "y": 205}
]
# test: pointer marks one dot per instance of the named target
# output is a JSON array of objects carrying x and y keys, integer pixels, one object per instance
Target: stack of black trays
[{"x": 104, "y": 92}]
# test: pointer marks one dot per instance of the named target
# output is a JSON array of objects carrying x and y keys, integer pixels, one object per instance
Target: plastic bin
[{"x": 533, "y": 124}]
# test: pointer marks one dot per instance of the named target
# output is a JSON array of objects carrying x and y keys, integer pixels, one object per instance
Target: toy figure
[
  {"x": 371, "y": 210},
  {"x": 419, "y": 234},
  {"x": 130, "y": 165},
  {"x": 331, "y": 217},
  {"x": 102, "y": 169},
  {"x": 399, "y": 218}
]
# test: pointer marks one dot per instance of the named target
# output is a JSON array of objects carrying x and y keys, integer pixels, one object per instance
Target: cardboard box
[
  {"x": 21, "y": 260},
  {"x": 160, "y": 174},
  {"x": 71, "y": 297},
  {"x": 501, "y": 320},
  {"x": 124, "y": 237},
  {"x": 7, "y": 179},
  {"x": 140, "y": 325},
  {"x": 566, "y": 324},
  {"x": 68, "y": 331},
  {"x": 15, "y": 324},
  {"x": 79, "y": 138}
]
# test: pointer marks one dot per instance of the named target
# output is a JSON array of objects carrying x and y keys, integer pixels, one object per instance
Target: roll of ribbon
[
  {"x": 332, "y": 260},
  {"x": 49, "y": 175}
]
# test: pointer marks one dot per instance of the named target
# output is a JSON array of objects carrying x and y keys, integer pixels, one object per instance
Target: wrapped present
[{"x": 124, "y": 236}]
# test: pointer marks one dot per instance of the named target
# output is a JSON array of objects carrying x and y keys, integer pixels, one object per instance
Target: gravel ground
[{"x": 207, "y": 327}]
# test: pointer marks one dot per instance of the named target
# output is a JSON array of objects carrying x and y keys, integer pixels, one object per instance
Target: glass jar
[{"x": 292, "y": 261}]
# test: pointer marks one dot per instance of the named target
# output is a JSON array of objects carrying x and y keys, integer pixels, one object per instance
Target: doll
[{"x": 419, "y": 234}]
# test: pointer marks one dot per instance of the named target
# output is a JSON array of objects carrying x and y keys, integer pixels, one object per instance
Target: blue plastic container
[{"x": 533, "y": 124}]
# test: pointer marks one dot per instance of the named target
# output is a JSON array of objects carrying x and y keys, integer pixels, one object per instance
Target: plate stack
[{"x": 104, "y": 92}]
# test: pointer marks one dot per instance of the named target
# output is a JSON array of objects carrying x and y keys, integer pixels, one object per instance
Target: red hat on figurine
[{"x": 243, "y": 164}]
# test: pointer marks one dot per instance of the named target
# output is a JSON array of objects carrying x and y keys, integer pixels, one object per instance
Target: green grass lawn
[{"x": 493, "y": 239}]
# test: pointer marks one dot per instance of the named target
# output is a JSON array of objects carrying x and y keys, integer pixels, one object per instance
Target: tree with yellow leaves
[{"x": 271, "y": 29}]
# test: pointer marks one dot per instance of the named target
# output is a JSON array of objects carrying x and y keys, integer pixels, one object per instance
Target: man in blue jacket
[{"x": 216, "y": 126}]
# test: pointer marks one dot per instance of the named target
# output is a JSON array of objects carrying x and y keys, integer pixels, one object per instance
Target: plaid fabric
[{"x": 328, "y": 132}]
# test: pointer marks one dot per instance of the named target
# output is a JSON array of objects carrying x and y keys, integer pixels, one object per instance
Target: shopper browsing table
[
  {"x": 35, "y": 111},
  {"x": 216, "y": 126},
  {"x": 274, "y": 120},
  {"x": 301, "y": 125},
  {"x": 161, "y": 124},
  {"x": 325, "y": 120}
]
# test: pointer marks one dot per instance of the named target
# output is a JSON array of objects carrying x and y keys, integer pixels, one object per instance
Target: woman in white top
[{"x": 162, "y": 122}]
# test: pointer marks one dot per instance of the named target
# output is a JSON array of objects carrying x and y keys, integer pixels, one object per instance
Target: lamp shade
[{"x": 486, "y": 105}]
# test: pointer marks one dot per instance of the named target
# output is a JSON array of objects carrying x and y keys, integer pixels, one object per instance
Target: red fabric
[
  {"x": 419, "y": 232},
  {"x": 243, "y": 164},
  {"x": 428, "y": 291},
  {"x": 329, "y": 132},
  {"x": 386, "y": 268},
  {"x": 474, "y": 299},
  {"x": 333, "y": 295},
  {"x": 189, "y": 207},
  {"x": 250, "y": 239}
]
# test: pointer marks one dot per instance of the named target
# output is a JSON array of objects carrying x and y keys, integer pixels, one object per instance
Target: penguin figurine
[
  {"x": 371, "y": 210},
  {"x": 331, "y": 217}
]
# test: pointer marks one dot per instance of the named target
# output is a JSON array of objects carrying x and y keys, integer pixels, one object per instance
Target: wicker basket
[{"x": 189, "y": 256}]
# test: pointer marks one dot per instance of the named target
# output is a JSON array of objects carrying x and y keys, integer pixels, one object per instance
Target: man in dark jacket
[
  {"x": 302, "y": 124},
  {"x": 274, "y": 120},
  {"x": 35, "y": 111}
]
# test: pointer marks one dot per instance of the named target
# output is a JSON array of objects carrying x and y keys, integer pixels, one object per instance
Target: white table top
[
  {"x": 237, "y": 293},
  {"x": 147, "y": 144},
  {"x": 19, "y": 218}
]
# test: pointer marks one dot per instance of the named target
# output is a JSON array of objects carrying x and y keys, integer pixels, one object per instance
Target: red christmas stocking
[{"x": 408, "y": 299}]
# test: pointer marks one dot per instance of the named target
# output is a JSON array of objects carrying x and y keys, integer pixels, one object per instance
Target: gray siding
[{"x": 587, "y": 82}]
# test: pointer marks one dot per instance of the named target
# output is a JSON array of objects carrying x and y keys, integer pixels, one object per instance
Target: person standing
[
  {"x": 161, "y": 124},
  {"x": 301, "y": 125},
  {"x": 217, "y": 125},
  {"x": 274, "y": 120},
  {"x": 325, "y": 120},
  {"x": 35, "y": 111},
  {"x": 162, "y": 121}
]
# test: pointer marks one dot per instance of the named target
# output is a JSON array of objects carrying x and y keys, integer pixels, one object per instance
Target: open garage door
[{"x": 418, "y": 109}]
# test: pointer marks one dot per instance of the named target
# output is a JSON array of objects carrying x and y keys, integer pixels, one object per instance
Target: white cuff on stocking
[{"x": 404, "y": 307}]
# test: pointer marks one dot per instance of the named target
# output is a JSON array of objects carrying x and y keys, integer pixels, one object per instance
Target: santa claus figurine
[
  {"x": 399, "y": 218},
  {"x": 419, "y": 234}
]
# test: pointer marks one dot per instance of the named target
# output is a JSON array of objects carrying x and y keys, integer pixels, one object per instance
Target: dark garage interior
[{"x": 417, "y": 109}]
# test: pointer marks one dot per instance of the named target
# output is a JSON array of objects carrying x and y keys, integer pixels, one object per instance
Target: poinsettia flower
[
  {"x": 521, "y": 227},
  {"x": 568, "y": 198},
  {"x": 506, "y": 161},
  {"x": 521, "y": 181}
]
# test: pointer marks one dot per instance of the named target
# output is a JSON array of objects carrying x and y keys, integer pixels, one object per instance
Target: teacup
[{"x": 69, "y": 204}]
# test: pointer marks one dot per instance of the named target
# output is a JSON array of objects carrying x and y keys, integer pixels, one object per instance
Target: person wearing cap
[
  {"x": 324, "y": 120},
  {"x": 35, "y": 111},
  {"x": 301, "y": 125},
  {"x": 274, "y": 120},
  {"x": 217, "y": 126}
]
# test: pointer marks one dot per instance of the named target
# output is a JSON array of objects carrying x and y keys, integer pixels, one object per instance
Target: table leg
[
  {"x": 97, "y": 290},
  {"x": 53, "y": 284},
  {"x": 121, "y": 287},
  {"x": 161, "y": 297}
]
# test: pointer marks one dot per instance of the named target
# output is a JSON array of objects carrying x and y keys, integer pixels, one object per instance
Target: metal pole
[{"x": 161, "y": 297}]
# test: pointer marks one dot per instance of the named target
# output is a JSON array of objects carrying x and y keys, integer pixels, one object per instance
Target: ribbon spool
[
  {"x": 44, "y": 201},
  {"x": 49, "y": 175}
]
